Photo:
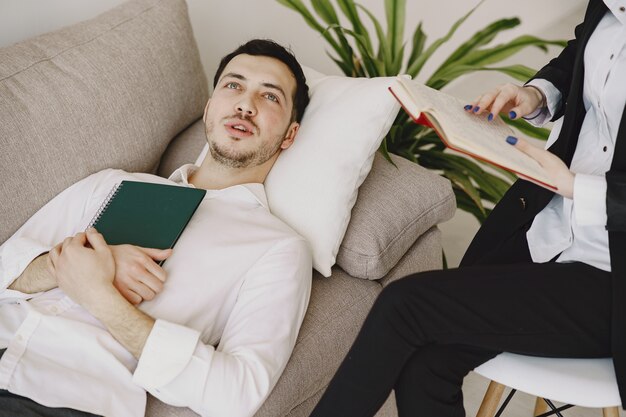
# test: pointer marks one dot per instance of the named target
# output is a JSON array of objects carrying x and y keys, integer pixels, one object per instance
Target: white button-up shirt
[
  {"x": 575, "y": 228},
  {"x": 237, "y": 289}
]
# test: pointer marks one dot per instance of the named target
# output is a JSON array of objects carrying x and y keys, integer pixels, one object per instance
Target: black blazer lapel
[{"x": 574, "y": 115}]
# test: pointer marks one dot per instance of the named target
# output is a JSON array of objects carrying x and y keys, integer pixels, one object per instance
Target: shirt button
[
  {"x": 612, "y": 55},
  {"x": 54, "y": 309},
  {"x": 622, "y": 8},
  {"x": 604, "y": 149},
  {"x": 19, "y": 338}
]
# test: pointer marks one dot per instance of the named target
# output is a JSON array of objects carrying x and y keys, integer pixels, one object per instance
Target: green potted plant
[{"x": 357, "y": 55}]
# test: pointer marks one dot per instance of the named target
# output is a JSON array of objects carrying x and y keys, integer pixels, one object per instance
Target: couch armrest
[{"x": 396, "y": 205}]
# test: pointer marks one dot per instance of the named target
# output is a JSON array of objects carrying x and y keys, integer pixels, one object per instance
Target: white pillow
[{"x": 313, "y": 184}]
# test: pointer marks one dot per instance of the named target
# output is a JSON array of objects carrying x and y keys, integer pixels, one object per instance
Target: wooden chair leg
[
  {"x": 540, "y": 406},
  {"x": 491, "y": 400},
  {"x": 610, "y": 412}
]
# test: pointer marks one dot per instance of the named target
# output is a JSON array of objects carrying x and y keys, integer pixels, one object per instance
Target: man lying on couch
[{"x": 85, "y": 326}]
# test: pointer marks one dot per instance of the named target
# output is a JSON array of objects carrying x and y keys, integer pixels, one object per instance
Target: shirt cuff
[
  {"x": 165, "y": 355},
  {"x": 15, "y": 256},
  {"x": 543, "y": 115},
  {"x": 590, "y": 200}
]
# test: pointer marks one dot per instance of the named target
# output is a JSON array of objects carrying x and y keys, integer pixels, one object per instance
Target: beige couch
[{"x": 126, "y": 90}]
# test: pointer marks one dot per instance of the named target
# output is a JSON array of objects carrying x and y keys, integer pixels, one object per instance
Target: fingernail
[
  {"x": 512, "y": 140},
  {"x": 476, "y": 109},
  {"x": 469, "y": 106},
  {"x": 490, "y": 117},
  {"x": 512, "y": 115}
]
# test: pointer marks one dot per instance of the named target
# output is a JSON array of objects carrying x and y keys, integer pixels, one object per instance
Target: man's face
[{"x": 248, "y": 119}]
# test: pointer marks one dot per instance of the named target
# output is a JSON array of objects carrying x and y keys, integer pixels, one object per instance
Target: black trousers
[{"x": 426, "y": 332}]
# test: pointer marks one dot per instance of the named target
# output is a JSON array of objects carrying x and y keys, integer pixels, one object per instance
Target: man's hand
[
  {"x": 556, "y": 169},
  {"x": 508, "y": 98},
  {"x": 84, "y": 268},
  {"x": 137, "y": 276}
]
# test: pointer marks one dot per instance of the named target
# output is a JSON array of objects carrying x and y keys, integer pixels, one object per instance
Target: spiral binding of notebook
[{"x": 107, "y": 201}]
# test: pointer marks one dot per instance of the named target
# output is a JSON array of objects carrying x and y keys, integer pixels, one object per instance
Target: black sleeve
[
  {"x": 616, "y": 201},
  {"x": 560, "y": 69}
]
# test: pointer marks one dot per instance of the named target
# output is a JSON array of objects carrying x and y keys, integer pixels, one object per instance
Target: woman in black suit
[{"x": 545, "y": 274}]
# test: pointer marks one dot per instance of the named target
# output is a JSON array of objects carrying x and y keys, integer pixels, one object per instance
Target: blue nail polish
[
  {"x": 476, "y": 109},
  {"x": 512, "y": 140},
  {"x": 469, "y": 106},
  {"x": 512, "y": 115},
  {"x": 490, "y": 117}
]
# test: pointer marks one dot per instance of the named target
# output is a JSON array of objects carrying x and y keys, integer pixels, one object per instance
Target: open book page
[{"x": 464, "y": 131}]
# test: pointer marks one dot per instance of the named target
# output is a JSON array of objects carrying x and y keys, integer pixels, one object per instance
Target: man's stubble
[{"x": 233, "y": 159}]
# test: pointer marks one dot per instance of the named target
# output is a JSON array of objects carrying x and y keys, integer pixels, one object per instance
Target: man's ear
[
  {"x": 205, "y": 110},
  {"x": 291, "y": 135}
]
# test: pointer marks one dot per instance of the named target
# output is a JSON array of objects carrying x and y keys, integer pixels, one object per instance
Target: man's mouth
[{"x": 239, "y": 128}]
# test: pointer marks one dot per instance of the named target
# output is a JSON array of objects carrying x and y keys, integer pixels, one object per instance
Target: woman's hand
[
  {"x": 508, "y": 98},
  {"x": 556, "y": 169}
]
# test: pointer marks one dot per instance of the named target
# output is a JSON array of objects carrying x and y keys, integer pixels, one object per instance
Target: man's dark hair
[{"x": 266, "y": 47}]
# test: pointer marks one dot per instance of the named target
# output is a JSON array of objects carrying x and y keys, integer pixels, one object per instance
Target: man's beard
[{"x": 242, "y": 159}]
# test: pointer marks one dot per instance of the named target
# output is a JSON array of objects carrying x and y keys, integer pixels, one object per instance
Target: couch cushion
[
  {"x": 394, "y": 208},
  {"x": 109, "y": 92},
  {"x": 183, "y": 149}
]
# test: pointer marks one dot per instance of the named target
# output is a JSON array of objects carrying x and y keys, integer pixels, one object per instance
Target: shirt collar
[
  {"x": 615, "y": 6},
  {"x": 248, "y": 191}
]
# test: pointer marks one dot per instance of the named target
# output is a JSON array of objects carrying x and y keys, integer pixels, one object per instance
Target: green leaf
[
  {"x": 348, "y": 70},
  {"x": 463, "y": 202},
  {"x": 419, "y": 40},
  {"x": 298, "y": 6},
  {"x": 383, "y": 150},
  {"x": 503, "y": 51},
  {"x": 441, "y": 79},
  {"x": 395, "y": 11},
  {"x": 417, "y": 65},
  {"x": 371, "y": 63},
  {"x": 326, "y": 11},
  {"x": 466, "y": 185},
  {"x": 481, "y": 38},
  {"x": 384, "y": 52},
  {"x": 349, "y": 9},
  {"x": 527, "y": 129}
]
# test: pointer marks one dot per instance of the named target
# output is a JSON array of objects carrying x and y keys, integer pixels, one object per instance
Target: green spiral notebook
[{"x": 146, "y": 214}]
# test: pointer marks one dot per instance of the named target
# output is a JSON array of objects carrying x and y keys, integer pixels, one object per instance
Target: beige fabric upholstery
[
  {"x": 110, "y": 92},
  {"x": 184, "y": 149},
  {"x": 394, "y": 208},
  {"x": 424, "y": 255}
]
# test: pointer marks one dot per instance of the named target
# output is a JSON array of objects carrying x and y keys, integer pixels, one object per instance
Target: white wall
[{"x": 221, "y": 25}]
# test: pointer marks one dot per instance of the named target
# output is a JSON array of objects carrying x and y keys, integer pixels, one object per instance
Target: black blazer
[{"x": 514, "y": 214}]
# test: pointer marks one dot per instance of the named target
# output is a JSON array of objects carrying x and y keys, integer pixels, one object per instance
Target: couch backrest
[{"x": 109, "y": 92}]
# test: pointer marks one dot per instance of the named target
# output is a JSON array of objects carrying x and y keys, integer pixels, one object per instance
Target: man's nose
[{"x": 246, "y": 107}]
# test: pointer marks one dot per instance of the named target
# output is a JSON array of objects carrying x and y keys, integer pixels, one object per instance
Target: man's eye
[
  {"x": 271, "y": 97},
  {"x": 232, "y": 85}
]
